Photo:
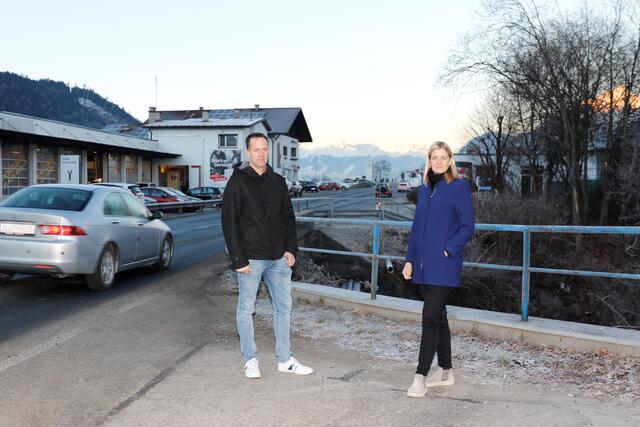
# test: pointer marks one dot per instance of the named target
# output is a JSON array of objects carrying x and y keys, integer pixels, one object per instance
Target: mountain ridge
[{"x": 55, "y": 100}]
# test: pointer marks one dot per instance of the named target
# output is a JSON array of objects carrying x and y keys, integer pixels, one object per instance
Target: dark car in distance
[
  {"x": 206, "y": 193},
  {"x": 383, "y": 190},
  {"x": 309, "y": 186}
]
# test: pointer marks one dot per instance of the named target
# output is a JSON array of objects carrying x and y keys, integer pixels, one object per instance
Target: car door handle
[
  {"x": 115, "y": 222},
  {"x": 140, "y": 224}
]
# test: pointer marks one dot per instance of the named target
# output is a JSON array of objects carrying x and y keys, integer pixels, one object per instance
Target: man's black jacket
[{"x": 257, "y": 217}]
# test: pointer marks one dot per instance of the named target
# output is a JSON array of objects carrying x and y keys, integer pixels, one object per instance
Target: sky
[{"x": 363, "y": 72}]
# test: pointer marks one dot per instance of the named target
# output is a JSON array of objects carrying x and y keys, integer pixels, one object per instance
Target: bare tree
[
  {"x": 555, "y": 61},
  {"x": 492, "y": 134},
  {"x": 381, "y": 168}
]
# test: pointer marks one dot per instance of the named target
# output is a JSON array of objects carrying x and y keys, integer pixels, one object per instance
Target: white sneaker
[
  {"x": 294, "y": 367},
  {"x": 440, "y": 378},
  {"x": 251, "y": 369},
  {"x": 417, "y": 388}
]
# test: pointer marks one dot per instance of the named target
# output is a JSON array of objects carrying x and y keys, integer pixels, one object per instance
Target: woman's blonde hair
[{"x": 452, "y": 171}]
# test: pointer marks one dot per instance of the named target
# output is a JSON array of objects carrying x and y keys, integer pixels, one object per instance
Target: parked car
[
  {"x": 415, "y": 181},
  {"x": 383, "y": 190},
  {"x": 328, "y": 186},
  {"x": 207, "y": 193},
  {"x": 184, "y": 198},
  {"x": 159, "y": 194},
  {"x": 145, "y": 184},
  {"x": 403, "y": 186},
  {"x": 346, "y": 184},
  {"x": 362, "y": 183},
  {"x": 91, "y": 230},
  {"x": 134, "y": 188},
  {"x": 296, "y": 189},
  {"x": 289, "y": 184},
  {"x": 309, "y": 186}
]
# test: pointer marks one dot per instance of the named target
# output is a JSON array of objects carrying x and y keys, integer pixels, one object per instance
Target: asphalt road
[{"x": 69, "y": 356}]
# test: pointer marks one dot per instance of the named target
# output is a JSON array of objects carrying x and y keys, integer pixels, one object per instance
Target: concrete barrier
[{"x": 503, "y": 326}]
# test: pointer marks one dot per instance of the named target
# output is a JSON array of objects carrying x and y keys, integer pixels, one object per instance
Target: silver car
[{"x": 91, "y": 230}]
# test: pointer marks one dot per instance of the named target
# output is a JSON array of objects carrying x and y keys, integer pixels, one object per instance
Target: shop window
[
  {"x": 46, "y": 165},
  {"x": 146, "y": 170},
  {"x": 113, "y": 168},
  {"x": 131, "y": 169},
  {"x": 15, "y": 167}
]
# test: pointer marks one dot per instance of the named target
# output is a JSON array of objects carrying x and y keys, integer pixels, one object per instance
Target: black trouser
[{"x": 435, "y": 329}]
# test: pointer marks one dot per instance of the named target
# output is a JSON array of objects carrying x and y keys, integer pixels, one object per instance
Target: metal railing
[
  {"x": 526, "y": 269},
  {"x": 330, "y": 203},
  {"x": 181, "y": 206}
]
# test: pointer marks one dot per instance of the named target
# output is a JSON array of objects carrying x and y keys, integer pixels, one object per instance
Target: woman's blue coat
[{"x": 443, "y": 221}]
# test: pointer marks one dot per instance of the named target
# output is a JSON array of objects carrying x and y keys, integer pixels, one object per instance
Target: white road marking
[{"x": 60, "y": 338}]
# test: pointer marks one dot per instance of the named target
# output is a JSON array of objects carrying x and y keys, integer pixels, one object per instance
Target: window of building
[
  {"x": 131, "y": 168},
  {"x": 15, "y": 167},
  {"x": 531, "y": 181},
  {"x": 94, "y": 167},
  {"x": 284, "y": 151},
  {"x": 146, "y": 170},
  {"x": 46, "y": 165},
  {"x": 113, "y": 168},
  {"x": 227, "y": 141},
  {"x": 294, "y": 152}
]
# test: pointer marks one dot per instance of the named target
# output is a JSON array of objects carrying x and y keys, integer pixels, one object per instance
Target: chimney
[
  {"x": 204, "y": 114},
  {"x": 236, "y": 114},
  {"x": 154, "y": 116},
  {"x": 257, "y": 107}
]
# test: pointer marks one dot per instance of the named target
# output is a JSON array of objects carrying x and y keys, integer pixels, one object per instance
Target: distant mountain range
[
  {"x": 54, "y": 100},
  {"x": 351, "y": 161}
]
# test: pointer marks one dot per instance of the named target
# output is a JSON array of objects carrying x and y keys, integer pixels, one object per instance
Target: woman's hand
[{"x": 407, "y": 271}]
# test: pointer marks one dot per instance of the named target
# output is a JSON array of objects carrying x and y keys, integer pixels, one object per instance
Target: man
[{"x": 259, "y": 228}]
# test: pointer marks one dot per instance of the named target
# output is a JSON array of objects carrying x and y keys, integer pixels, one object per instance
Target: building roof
[
  {"x": 129, "y": 130},
  {"x": 279, "y": 121},
  {"x": 214, "y": 123},
  {"x": 69, "y": 134}
]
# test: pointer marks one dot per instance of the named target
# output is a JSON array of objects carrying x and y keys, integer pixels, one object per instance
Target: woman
[{"x": 442, "y": 225}]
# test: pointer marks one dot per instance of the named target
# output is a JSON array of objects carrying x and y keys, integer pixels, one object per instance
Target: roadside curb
[{"x": 503, "y": 326}]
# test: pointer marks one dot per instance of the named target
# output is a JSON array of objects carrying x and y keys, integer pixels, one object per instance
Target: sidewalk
[{"x": 349, "y": 387}]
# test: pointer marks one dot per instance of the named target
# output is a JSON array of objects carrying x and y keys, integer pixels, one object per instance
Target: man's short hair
[{"x": 247, "y": 140}]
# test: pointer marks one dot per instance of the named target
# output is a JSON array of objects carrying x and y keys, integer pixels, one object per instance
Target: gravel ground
[{"x": 482, "y": 361}]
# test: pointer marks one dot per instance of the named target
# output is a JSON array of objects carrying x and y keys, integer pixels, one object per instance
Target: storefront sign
[
  {"x": 221, "y": 164},
  {"x": 69, "y": 169}
]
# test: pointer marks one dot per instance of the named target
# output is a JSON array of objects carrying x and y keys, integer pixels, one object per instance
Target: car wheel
[
  {"x": 166, "y": 254},
  {"x": 105, "y": 273}
]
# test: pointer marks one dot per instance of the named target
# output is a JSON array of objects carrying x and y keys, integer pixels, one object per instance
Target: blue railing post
[
  {"x": 526, "y": 274},
  {"x": 374, "y": 260}
]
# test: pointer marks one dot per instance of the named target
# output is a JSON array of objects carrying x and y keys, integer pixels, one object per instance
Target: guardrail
[
  {"x": 526, "y": 269},
  {"x": 330, "y": 203},
  {"x": 181, "y": 206}
]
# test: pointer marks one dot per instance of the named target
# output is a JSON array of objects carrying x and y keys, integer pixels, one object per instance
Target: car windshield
[{"x": 63, "y": 199}]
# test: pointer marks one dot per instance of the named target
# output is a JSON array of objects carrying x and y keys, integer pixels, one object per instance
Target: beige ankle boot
[
  {"x": 418, "y": 388},
  {"x": 441, "y": 377}
]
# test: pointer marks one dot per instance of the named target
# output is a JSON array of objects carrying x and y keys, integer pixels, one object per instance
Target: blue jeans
[{"x": 278, "y": 276}]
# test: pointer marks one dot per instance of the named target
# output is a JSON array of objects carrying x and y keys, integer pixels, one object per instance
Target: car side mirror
[{"x": 155, "y": 214}]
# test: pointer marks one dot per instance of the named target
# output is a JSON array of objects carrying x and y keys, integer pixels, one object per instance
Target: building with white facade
[{"x": 210, "y": 142}]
